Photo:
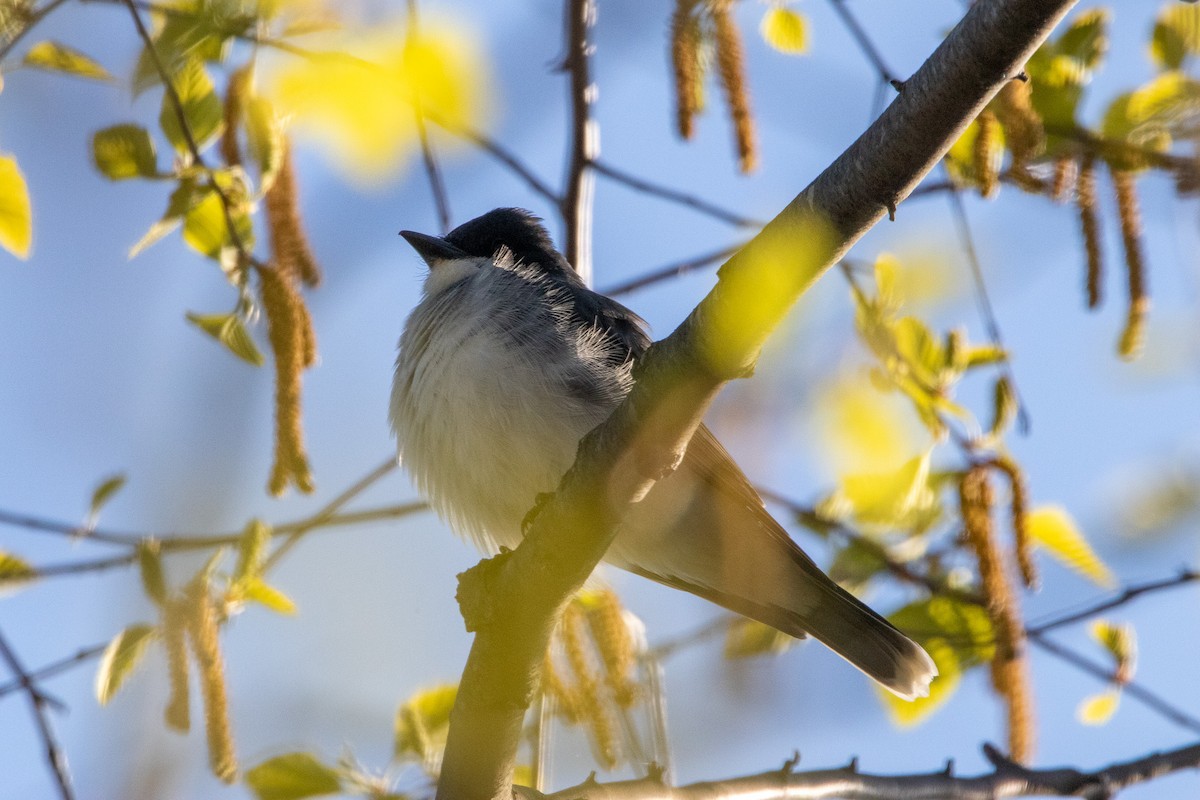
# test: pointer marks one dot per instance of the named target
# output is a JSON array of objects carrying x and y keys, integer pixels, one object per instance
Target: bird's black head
[{"x": 515, "y": 228}]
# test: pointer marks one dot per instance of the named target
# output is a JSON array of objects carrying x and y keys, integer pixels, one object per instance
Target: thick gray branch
[{"x": 512, "y": 601}]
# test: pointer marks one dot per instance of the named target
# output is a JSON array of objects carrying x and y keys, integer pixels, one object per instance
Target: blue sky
[{"x": 101, "y": 374}]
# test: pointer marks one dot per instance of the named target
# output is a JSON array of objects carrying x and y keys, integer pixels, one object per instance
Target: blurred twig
[
  {"x": 675, "y": 196},
  {"x": 436, "y": 185},
  {"x": 585, "y": 137},
  {"x": 55, "y": 757},
  {"x": 671, "y": 271}
]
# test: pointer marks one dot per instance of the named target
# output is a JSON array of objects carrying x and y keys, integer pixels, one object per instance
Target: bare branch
[
  {"x": 81, "y": 656},
  {"x": 585, "y": 137},
  {"x": 436, "y": 185},
  {"x": 1008, "y": 779},
  {"x": 675, "y": 196},
  {"x": 512, "y": 601},
  {"x": 55, "y": 756},
  {"x": 1124, "y": 596},
  {"x": 674, "y": 270}
]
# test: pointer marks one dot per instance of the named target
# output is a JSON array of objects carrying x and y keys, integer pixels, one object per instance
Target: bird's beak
[{"x": 434, "y": 249}]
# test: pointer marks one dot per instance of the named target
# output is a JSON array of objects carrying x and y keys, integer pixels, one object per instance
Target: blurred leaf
[
  {"x": 206, "y": 230},
  {"x": 16, "y": 219},
  {"x": 56, "y": 57},
  {"x": 124, "y": 151},
  {"x": 292, "y": 777},
  {"x": 120, "y": 658},
  {"x": 1004, "y": 406},
  {"x": 195, "y": 31},
  {"x": 1176, "y": 35},
  {"x": 855, "y": 565},
  {"x": 891, "y": 498},
  {"x": 749, "y": 638},
  {"x": 251, "y": 546},
  {"x": 907, "y": 713},
  {"x": 261, "y": 592},
  {"x": 1099, "y": 708},
  {"x": 104, "y": 492},
  {"x": 183, "y": 198},
  {"x": 785, "y": 30},
  {"x": 14, "y": 570},
  {"x": 1060, "y": 69},
  {"x": 1086, "y": 38},
  {"x": 359, "y": 109},
  {"x": 229, "y": 331},
  {"x": 862, "y": 430},
  {"x": 1121, "y": 643},
  {"x": 1053, "y": 528},
  {"x": 423, "y": 721},
  {"x": 201, "y": 108},
  {"x": 150, "y": 564},
  {"x": 960, "y": 158},
  {"x": 964, "y": 627},
  {"x": 264, "y": 133}
]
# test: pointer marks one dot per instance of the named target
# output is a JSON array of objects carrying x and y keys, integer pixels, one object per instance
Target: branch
[
  {"x": 675, "y": 196},
  {"x": 671, "y": 271},
  {"x": 1126, "y": 595},
  {"x": 436, "y": 186},
  {"x": 585, "y": 138},
  {"x": 38, "y": 702},
  {"x": 512, "y": 601},
  {"x": 1007, "y": 779},
  {"x": 81, "y": 656}
]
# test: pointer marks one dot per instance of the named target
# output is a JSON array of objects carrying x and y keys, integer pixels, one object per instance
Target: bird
[{"x": 509, "y": 359}]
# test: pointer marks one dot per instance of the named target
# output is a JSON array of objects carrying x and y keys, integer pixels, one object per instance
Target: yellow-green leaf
[
  {"x": 889, "y": 498},
  {"x": 748, "y": 638},
  {"x": 264, "y": 134},
  {"x": 206, "y": 230},
  {"x": 57, "y": 57},
  {"x": 423, "y": 721},
  {"x": 1176, "y": 35},
  {"x": 785, "y": 30},
  {"x": 251, "y": 546},
  {"x": 1121, "y": 643},
  {"x": 201, "y": 108},
  {"x": 124, "y": 151},
  {"x": 14, "y": 570},
  {"x": 154, "y": 583},
  {"x": 263, "y": 593},
  {"x": 229, "y": 331},
  {"x": 1099, "y": 708},
  {"x": 16, "y": 219},
  {"x": 1052, "y": 528},
  {"x": 104, "y": 491},
  {"x": 293, "y": 776},
  {"x": 120, "y": 658}
]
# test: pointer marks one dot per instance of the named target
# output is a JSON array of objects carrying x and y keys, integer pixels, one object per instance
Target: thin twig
[
  {"x": 580, "y": 182},
  {"x": 675, "y": 196},
  {"x": 436, "y": 185},
  {"x": 674, "y": 270},
  {"x": 986, "y": 310},
  {"x": 864, "y": 42},
  {"x": 81, "y": 656},
  {"x": 1136, "y": 691},
  {"x": 246, "y": 257},
  {"x": 501, "y": 154},
  {"x": 359, "y": 486},
  {"x": 1123, "y": 597},
  {"x": 55, "y": 756}
]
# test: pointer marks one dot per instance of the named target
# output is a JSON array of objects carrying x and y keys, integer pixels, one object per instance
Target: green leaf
[
  {"x": 785, "y": 30},
  {"x": 154, "y": 583},
  {"x": 1121, "y": 643},
  {"x": 292, "y": 777},
  {"x": 56, "y": 57},
  {"x": 206, "y": 230},
  {"x": 185, "y": 196},
  {"x": 748, "y": 638},
  {"x": 261, "y": 592},
  {"x": 16, "y": 219},
  {"x": 251, "y": 546},
  {"x": 229, "y": 331},
  {"x": 124, "y": 151},
  {"x": 195, "y": 31},
  {"x": 856, "y": 564},
  {"x": 201, "y": 108},
  {"x": 1051, "y": 527},
  {"x": 264, "y": 134},
  {"x": 1004, "y": 406},
  {"x": 1176, "y": 35},
  {"x": 120, "y": 658},
  {"x": 104, "y": 492},
  {"x": 14, "y": 570},
  {"x": 1086, "y": 38},
  {"x": 888, "y": 499},
  {"x": 964, "y": 627},
  {"x": 423, "y": 721}
]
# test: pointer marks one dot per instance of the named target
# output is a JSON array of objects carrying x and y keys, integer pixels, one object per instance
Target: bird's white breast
[{"x": 488, "y": 403}]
